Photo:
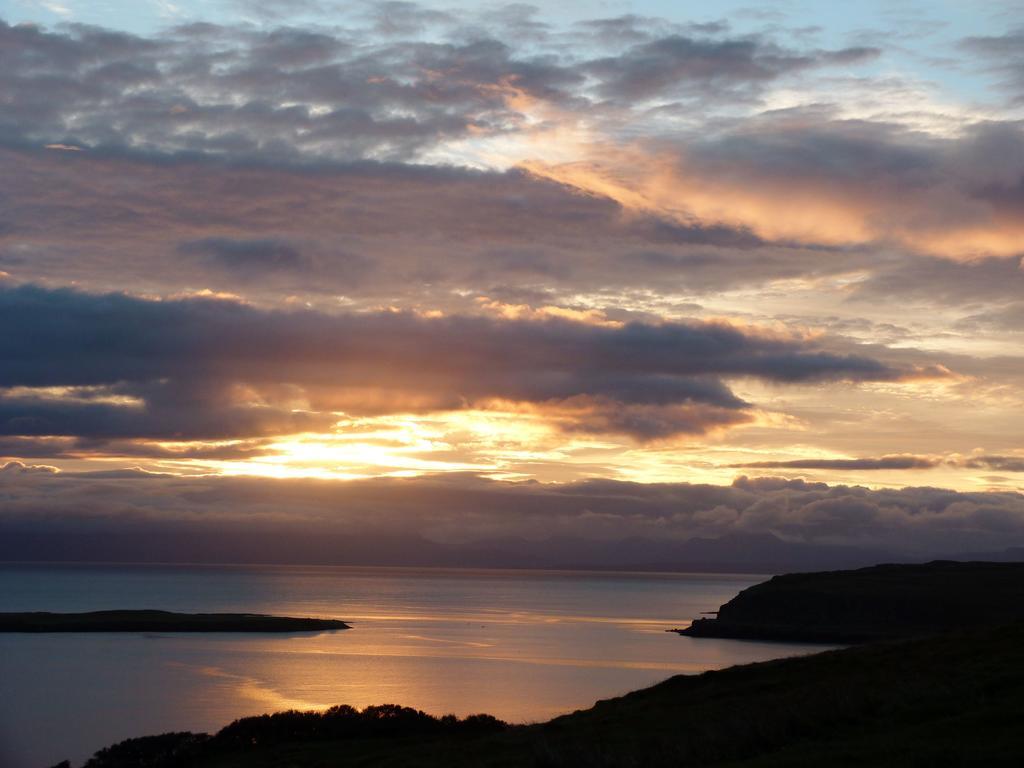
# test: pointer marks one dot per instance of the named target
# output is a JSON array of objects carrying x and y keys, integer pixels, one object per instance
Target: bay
[{"x": 521, "y": 645}]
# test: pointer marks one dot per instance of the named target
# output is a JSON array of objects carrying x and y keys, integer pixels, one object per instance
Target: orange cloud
[{"x": 809, "y": 206}]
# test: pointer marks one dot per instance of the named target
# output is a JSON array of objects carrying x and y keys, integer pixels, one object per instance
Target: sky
[{"x": 655, "y": 257}]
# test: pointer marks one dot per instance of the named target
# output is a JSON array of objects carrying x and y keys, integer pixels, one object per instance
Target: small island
[{"x": 161, "y": 621}]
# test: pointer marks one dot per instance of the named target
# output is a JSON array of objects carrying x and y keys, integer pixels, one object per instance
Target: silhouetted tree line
[
  {"x": 345, "y": 722},
  {"x": 386, "y": 721}
]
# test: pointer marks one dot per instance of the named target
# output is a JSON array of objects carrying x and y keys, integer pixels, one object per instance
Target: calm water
[{"x": 521, "y": 645}]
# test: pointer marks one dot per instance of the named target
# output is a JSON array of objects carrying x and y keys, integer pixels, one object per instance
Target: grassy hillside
[{"x": 951, "y": 700}]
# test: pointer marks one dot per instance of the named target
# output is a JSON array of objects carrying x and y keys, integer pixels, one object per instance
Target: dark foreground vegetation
[
  {"x": 883, "y": 602},
  {"x": 952, "y": 700},
  {"x": 160, "y": 621}
]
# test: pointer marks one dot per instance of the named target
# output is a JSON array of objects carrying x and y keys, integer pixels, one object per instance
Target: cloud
[
  {"x": 997, "y": 463},
  {"x": 1006, "y": 56},
  {"x": 403, "y": 19},
  {"x": 679, "y": 65},
  {"x": 631, "y": 29},
  {"x": 414, "y": 236},
  {"x": 884, "y": 462},
  {"x": 276, "y": 126},
  {"x": 896, "y": 462},
  {"x": 487, "y": 173},
  {"x": 281, "y": 94},
  {"x": 383, "y": 92},
  {"x": 175, "y": 409},
  {"x": 982, "y": 283},
  {"x": 480, "y": 93},
  {"x": 376, "y": 233},
  {"x": 248, "y": 258},
  {"x": 809, "y": 177},
  {"x": 1008, "y": 318},
  {"x": 461, "y": 509},
  {"x": 90, "y": 448},
  {"x": 116, "y": 366}
]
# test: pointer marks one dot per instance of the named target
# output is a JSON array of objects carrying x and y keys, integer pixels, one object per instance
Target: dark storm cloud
[
  {"x": 204, "y": 368},
  {"x": 462, "y": 508}
]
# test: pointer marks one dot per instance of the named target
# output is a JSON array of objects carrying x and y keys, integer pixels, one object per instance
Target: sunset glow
[
  {"x": 515, "y": 249},
  {"x": 446, "y": 366}
]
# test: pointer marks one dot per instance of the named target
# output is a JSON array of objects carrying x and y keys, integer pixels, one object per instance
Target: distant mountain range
[{"x": 737, "y": 553}]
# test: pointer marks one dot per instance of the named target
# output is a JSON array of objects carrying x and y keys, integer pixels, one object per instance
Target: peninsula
[
  {"x": 883, "y": 602},
  {"x": 161, "y": 621}
]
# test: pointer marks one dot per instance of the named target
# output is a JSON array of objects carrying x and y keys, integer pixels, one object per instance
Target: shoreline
[{"x": 903, "y": 703}]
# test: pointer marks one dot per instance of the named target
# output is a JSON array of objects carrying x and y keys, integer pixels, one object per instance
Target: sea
[{"x": 523, "y": 646}]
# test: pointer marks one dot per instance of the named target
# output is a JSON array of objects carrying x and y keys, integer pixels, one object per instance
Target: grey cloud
[
  {"x": 1006, "y": 56},
  {"x": 813, "y": 142},
  {"x": 248, "y": 257},
  {"x": 647, "y": 421},
  {"x": 628, "y": 30},
  {"x": 182, "y": 362},
  {"x": 460, "y": 508},
  {"x": 279, "y": 10},
  {"x": 997, "y": 463},
  {"x": 53, "y": 448},
  {"x": 986, "y": 283},
  {"x": 208, "y": 89},
  {"x": 899, "y": 188},
  {"x": 1006, "y": 318},
  {"x": 884, "y": 462},
  {"x": 377, "y": 233},
  {"x": 518, "y": 20},
  {"x": 896, "y": 462},
  {"x": 293, "y": 94},
  {"x": 381, "y": 212},
  {"x": 175, "y": 409},
  {"x": 394, "y": 228},
  {"x": 400, "y": 18},
  {"x": 680, "y": 65},
  {"x": 243, "y": 112}
]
